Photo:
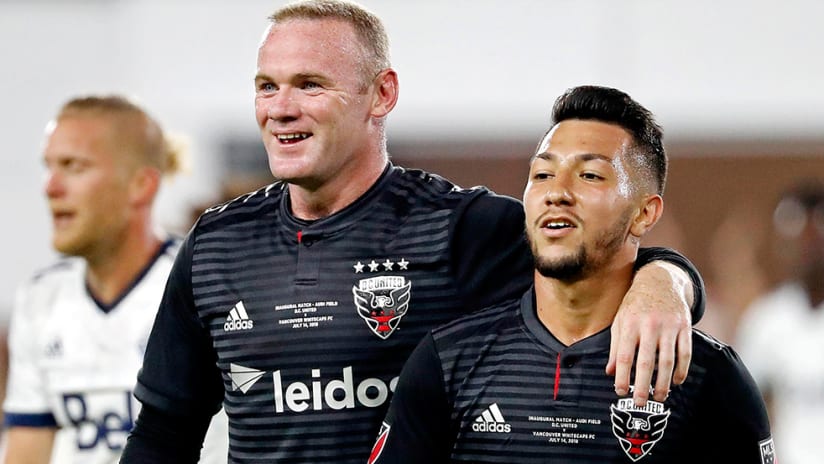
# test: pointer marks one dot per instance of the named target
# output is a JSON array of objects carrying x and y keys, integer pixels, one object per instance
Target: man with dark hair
[
  {"x": 295, "y": 306},
  {"x": 521, "y": 381}
]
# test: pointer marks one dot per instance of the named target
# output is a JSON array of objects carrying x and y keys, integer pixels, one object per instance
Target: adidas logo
[
  {"x": 491, "y": 420},
  {"x": 238, "y": 319}
]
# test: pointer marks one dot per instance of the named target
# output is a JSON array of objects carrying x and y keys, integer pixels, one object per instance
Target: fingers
[
  {"x": 651, "y": 345},
  {"x": 645, "y": 365},
  {"x": 684, "y": 356},
  {"x": 622, "y": 353},
  {"x": 615, "y": 333},
  {"x": 666, "y": 361}
]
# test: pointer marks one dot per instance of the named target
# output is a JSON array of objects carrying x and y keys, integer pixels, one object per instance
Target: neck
[
  {"x": 316, "y": 202},
  {"x": 572, "y": 311},
  {"x": 114, "y": 269}
]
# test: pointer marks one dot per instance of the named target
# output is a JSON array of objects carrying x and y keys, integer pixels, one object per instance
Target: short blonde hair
[
  {"x": 368, "y": 27},
  {"x": 135, "y": 129}
]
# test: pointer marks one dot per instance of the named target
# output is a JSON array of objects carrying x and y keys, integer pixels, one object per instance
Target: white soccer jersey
[
  {"x": 74, "y": 364},
  {"x": 781, "y": 340}
]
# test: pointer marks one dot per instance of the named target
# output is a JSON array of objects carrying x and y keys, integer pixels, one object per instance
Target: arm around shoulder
[
  {"x": 490, "y": 254},
  {"x": 654, "y": 318}
]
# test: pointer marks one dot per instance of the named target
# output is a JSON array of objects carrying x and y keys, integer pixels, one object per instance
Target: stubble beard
[{"x": 585, "y": 260}]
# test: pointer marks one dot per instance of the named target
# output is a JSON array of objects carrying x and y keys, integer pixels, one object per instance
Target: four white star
[{"x": 388, "y": 265}]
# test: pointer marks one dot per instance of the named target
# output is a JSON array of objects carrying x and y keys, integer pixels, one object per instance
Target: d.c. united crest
[
  {"x": 638, "y": 428},
  {"x": 382, "y": 302}
]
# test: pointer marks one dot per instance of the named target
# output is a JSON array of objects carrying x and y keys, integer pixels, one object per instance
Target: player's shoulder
[
  {"x": 61, "y": 270},
  {"x": 433, "y": 190},
  {"x": 429, "y": 186},
  {"x": 479, "y": 323},
  {"x": 35, "y": 293},
  {"x": 710, "y": 353},
  {"x": 244, "y": 207}
]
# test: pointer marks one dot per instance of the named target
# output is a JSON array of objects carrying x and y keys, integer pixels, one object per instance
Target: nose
[
  {"x": 53, "y": 184},
  {"x": 558, "y": 192},
  {"x": 283, "y": 105}
]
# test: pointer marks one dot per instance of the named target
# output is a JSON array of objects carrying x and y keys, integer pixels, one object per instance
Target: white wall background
[{"x": 482, "y": 68}]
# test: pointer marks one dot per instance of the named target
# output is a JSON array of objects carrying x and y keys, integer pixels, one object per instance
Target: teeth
[
  {"x": 293, "y": 136},
  {"x": 558, "y": 224}
]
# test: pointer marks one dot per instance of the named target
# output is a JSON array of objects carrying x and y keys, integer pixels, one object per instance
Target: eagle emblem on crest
[
  {"x": 382, "y": 302},
  {"x": 638, "y": 429}
]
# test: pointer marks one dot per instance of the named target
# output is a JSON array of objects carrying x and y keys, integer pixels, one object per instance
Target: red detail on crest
[
  {"x": 383, "y": 323},
  {"x": 636, "y": 443},
  {"x": 300, "y": 236}
]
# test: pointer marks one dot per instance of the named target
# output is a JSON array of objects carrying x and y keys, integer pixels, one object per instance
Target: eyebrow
[
  {"x": 298, "y": 77},
  {"x": 582, "y": 157}
]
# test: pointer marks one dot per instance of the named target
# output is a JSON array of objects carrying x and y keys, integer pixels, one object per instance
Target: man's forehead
[{"x": 589, "y": 139}]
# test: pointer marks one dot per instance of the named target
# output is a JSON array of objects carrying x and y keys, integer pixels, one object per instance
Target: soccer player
[
  {"x": 79, "y": 328},
  {"x": 521, "y": 381},
  {"x": 781, "y": 333},
  {"x": 297, "y": 304}
]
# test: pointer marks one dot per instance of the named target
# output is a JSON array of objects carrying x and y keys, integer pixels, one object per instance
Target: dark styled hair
[{"x": 612, "y": 106}]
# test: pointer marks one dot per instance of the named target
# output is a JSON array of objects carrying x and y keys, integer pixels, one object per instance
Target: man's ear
[
  {"x": 385, "y": 95},
  {"x": 649, "y": 211},
  {"x": 144, "y": 185}
]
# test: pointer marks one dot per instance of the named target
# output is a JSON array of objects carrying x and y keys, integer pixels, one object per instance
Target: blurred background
[{"x": 737, "y": 86}]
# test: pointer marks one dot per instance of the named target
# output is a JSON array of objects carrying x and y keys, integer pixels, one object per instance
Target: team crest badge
[
  {"x": 382, "y": 302},
  {"x": 638, "y": 428}
]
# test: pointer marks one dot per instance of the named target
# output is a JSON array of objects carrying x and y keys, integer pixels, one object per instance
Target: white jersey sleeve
[{"x": 27, "y": 399}]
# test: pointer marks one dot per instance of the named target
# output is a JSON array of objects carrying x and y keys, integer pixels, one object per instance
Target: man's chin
[
  {"x": 562, "y": 267},
  {"x": 65, "y": 246}
]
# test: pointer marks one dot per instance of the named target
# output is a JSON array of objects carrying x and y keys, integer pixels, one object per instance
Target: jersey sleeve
[
  {"x": 26, "y": 402},
  {"x": 416, "y": 428},
  {"x": 490, "y": 254},
  {"x": 733, "y": 412},
  {"x": 179, "y": 374},
  {"x": 650, "y": 254}
]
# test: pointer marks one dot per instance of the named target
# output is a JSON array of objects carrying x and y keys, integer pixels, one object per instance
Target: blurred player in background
[
  {"x": 78, "y": 329},
  {"x": 781, "y": 335}
]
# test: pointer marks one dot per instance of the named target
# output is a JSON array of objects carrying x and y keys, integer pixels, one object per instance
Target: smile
[{"x": 293, "y": 137}]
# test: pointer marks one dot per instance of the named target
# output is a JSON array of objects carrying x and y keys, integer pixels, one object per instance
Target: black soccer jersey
[
  {"x": 497, "y": 387},
  {"x": 301, "y": 328}
]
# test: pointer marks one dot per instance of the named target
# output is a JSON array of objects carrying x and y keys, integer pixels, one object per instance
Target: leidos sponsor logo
[
  {"x": 491, "y": 420},
  {"x": 316, "y": 395},
  {"x": 238, "y": 319},
  {"x": 335, "y": 394}
]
